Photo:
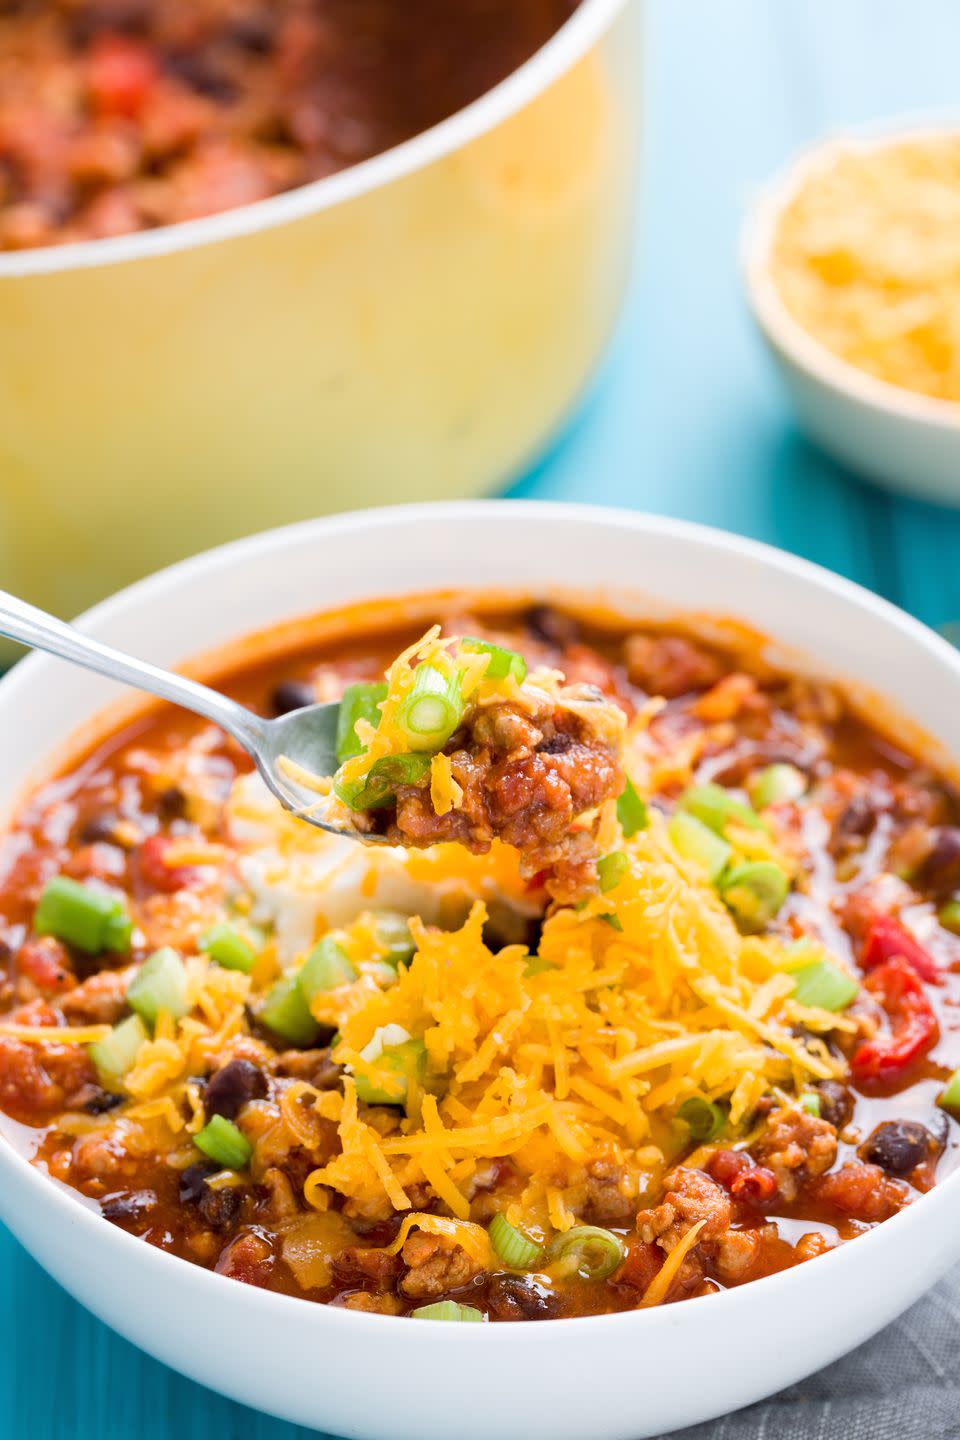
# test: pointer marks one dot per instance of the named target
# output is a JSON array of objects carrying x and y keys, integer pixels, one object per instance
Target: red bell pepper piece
[
  {"x": 886, "y": 938},
  {"x": 913, "y": 1025}
]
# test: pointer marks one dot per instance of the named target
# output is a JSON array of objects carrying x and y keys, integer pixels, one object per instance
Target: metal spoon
[{"x": 307, "y": 736}]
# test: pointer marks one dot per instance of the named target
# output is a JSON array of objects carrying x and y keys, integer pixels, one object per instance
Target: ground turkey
[
  {"x": 526, "y": 774},
  {"x": 796, "y": 1146},
  {"x": 435, "y": 1265}
]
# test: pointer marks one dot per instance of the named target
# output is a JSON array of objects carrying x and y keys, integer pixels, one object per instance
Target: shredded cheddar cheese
[
  {"x": 867, "y": 258},
  {"x": 660, "y": 1286},
  {"x": 585, "y": 1060},
  {"x": 472, "y": 1238},
  {"x": 56, "y": 1034},
  {"x": 445, "y": 793}
]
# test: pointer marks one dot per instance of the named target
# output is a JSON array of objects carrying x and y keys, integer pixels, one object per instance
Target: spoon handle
[{"x": 23, "y": 622}]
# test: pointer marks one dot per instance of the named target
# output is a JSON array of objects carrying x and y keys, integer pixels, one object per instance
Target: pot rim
[{"x": 568, "y": 45}]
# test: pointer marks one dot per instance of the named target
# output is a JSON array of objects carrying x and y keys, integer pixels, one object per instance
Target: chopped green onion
[
  {"x": 512, "y": 1246},
  {"x": 446, "y": 1310},
  {"x": 697, "y": 842},
  {"x": 823, "y": 986},
  {"x": 536, "y": 965},
  {"x": 597, "y": 1252},
  {"x": 227, "y": 947},
  {"x": 755, "y": 892},
  {"x": 433, "y": 709},
  {"x": 359, "y": 702},
  {"x": 810, "y": 1102},
  {"x": 326, "y": 967},
  {"x": 715, "y": 807},
  {"x": 115, "y": 1055},
  {"x": 611, "y": 870},
  {"x": 950, "y": 1099},
  {"x": 384, "y": 974},
  {"x": 704, "y": 1120},
  {"x": 89, "y": 919},
  {"x": 393, "y": 933},
  {"x": 613, "y": 921},
  {"x": 286, "y": 1013},
  {"x": 502, "y": 662},
  {"x": 775, "y": 784},
  {"x": 631, "y": 810},
  {"x": 949, "y": 916},
  {"x": 377, "y": 787},
  {"x": 395, "y": 1066},
  {"x": 224, "y": 1143},
  {"x": 160, "y": 985}
]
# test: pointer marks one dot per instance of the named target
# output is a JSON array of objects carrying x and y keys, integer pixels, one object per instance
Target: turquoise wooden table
[{"x": 686, "y": 419}]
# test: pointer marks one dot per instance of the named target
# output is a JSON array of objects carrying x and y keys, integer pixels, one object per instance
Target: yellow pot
[{"x": 411, "y": 328}]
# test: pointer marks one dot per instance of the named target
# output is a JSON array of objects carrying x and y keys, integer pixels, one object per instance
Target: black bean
[
  {"x": 836, "y": 1103},
  {"x": 128, "y": 1207},
  {"x": 193, "y": 1179},
  {"x": 98, "y": 827},
  {"x": 255, "y": 33},
  {"x": 552, "y": 626},
  {"x": 202, "y": 74},
  {"x": 171, "y": 803},
  {"x": 101, "y": 1101},
  {"x": 941, "y": 869},
  {"x": 220, "y": 1207},
  {"x": 236, "y": 1083},
  {"x": 511, "y": 1297},
  {"x": 857, "y": 819},
  {"x": 899, "y": 1146},
  {"x": 558, "y": 744},
  {"x": 292, "y": 695}
]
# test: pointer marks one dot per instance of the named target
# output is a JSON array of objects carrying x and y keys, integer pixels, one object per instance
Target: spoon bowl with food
[{"x": 457, "y": 743}]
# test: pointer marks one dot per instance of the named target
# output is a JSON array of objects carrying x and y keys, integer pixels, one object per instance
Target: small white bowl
[
  {"x": 904, "y": 441},
  {"x": 609, "y": 1377}
]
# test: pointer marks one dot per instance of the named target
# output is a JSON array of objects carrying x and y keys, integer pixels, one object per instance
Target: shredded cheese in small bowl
[{"x": 852, "y": 267}]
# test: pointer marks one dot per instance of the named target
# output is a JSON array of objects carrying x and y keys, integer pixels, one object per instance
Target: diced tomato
[
  {"x": 46, "y": 963},
  {"x": 913, "y": 1025},
  {"x": 121, "y": 73},
  {"x": 756, "y": 1184},
  {"x": 862, "y": 1191},
  {"x": 156, "y": 874},
  {"x": 886, "y": 938}
]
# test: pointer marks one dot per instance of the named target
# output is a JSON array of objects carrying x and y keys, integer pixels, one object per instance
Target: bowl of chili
[
  {"x": 779, "y": 833},
  {"x": 232, "y": 235}
]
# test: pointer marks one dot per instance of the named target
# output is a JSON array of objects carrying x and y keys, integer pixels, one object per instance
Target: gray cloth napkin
[{"x": 902, "y": 1385}]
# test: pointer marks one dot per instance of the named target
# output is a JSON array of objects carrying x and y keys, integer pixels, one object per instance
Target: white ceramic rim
[
  {"x": 573, "y": 40},
  {"x": 784, "y": 331},
  {"x": 727, "y": 1305}
]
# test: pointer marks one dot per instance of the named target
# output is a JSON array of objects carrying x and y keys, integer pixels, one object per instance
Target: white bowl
[
  {"x": 904, "y": 441},
  {"x": 615, "y": 1377}
]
